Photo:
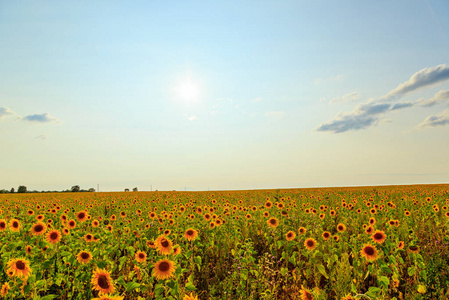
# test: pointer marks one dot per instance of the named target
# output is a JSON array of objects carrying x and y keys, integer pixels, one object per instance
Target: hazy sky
[{"x": 223, "y": 94}]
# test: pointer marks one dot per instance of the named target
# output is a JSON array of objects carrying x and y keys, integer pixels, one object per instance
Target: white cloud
[
  {"x": 441, "y": 96},
  {"x": 41, "y": 118},
  {"x": 422, "y": 78},
  {"x": 435, "y": 120},
  {"x": 193, "y": 118},
  {"x": 351, "y": 97},
  {"x": 257, "y": 99},
  {"x": 5, "y": 112}
]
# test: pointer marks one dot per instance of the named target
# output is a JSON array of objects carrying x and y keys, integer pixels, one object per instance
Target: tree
[
  {"x": 12, "y": 190},
  {"x": 126, "y": 190},
  {"x": 22, "y": 189},
  {"x": 135, "y": 189},
  {"x": 75, "y": 189},
  {"x": 91, "y": 190}
]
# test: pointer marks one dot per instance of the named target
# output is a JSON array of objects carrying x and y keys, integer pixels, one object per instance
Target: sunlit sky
[{"x": 199, "y": 95}]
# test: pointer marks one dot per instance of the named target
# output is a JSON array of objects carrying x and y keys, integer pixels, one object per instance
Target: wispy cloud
[
  {"x": 435, "y": 120},
  {"x": 41, "y": 118},
  {"x": 369, "y": 114},
  {"x": 351, "y": 97},
  {"x": 193, "y": 118},
  {"x": 5, "y": 112},
  {"x": 402, "y": 105},
  {"x": 441, "y": 96},
  {"x": 257, "y": 99},
  {"x": 363, "y": 116},
  {"x": 422, "y": 78}
]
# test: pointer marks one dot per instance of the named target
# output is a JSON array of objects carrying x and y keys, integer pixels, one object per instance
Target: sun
[{"x": 188, "y": 90}]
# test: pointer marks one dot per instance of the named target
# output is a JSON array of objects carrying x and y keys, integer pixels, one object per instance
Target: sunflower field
[{"x": 328, "y": 243}]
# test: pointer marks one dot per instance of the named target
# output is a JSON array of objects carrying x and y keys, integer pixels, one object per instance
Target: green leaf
[
  {"x": 49, "y": 297},
  {"x": 383, "y": 281},
  {"x": 190, "y": 287},
  {"x": 284, "y": 271},
  {"x": 322, "y": 270},
  {"x": 233, "y": 252},
  {"x": 198, "y": 262},
  {"x": 411, "y": 271},
  {"x": 122, "y": 261},
  {"x": 373, "y": 291},
  {"x": 131, "y": 286}
]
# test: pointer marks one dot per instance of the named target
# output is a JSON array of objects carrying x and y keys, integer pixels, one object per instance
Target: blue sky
[{"x": 200, "y": 95}]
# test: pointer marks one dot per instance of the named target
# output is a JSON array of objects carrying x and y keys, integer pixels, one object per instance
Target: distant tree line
[{"x": 23, "y": 189}]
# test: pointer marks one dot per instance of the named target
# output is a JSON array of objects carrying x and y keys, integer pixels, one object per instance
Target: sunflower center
[
  {"x": 273, "y": 221},
  {"x": 85, "y": 255},
  {"x": 164, "y": 243},
  {"x": 2, "y": 225},
  {"x": 310, "y": 243},
  {"x": 71, "y": 223},
  {"x": 38, "y": 228},
  {"x": 81, "y": 215},
  {"x": 189, "y": 232},
  {"x": 15, "y": 224},
  {"x": 103, "y": 282},
  {"x": 141, "y": 255},
  {"x": 54, "y": 236},
  {"x": 164, "y": 266},
  {"x": 369, "y": 250},
  {"x": 378, "y": 236},
  {"x": 413, "y": 248},
  {"x": 20, "y": 265}
]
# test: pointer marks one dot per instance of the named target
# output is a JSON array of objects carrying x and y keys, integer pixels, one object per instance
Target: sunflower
[
  {"x": 2, "y": 225},
  {"x": 326, "y": 235},
  {"x": 28, "y": 249},
  {"x": 88, "y": 238},
  {"x": 163, "y": 245},
  {"x": 290, "y": 236},
  {"x": 14, "y": 225},
  {"x": 341, "y": 227},
  {"x": 5, "y": 289},
  {"x": 336, "y": 238},
  {"x": 84, "y": 257},
  {"x": 71, "y": 224},
  {"x": 413, "y": 249},
  {"x": 310, "y": 243},
  {"x": 102, "y": 282},
  {"x": 19, "y": 268},
  {"x": 151, "y": 244},
  {"x": 273, "y": 222},
  {"x": 302, "y": 230},
  {"x": 53, "y": 236},
  {"x": 95, "y": 223},
  {"x": 191, "y": 234},
  {"x": 369, "y": 252},
  {"x": 369, "y": 229},
  {"x": 401, "y": 245},
  {"x": 39, "y": 228},
  {"x": 164, "y": 269},
  {"x": 141, "y": 256},
  {"x": 379, "y": 236},
  {"x": 190, "y": 297},
  {"x": 305, "y": 294},
  {"x": 107, "y": 297},
  {"x": 176, "y": 250},
  {"x": 347, "y": 297},
  {"x": 81, "y": 216},
  {"x": 268, "y": 204}
]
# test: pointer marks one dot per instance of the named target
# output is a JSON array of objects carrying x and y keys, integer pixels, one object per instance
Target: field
[{"x": 330, "y": 243}]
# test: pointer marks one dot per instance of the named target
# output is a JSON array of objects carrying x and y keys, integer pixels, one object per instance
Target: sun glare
[{"x": 188, "y": 91}]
